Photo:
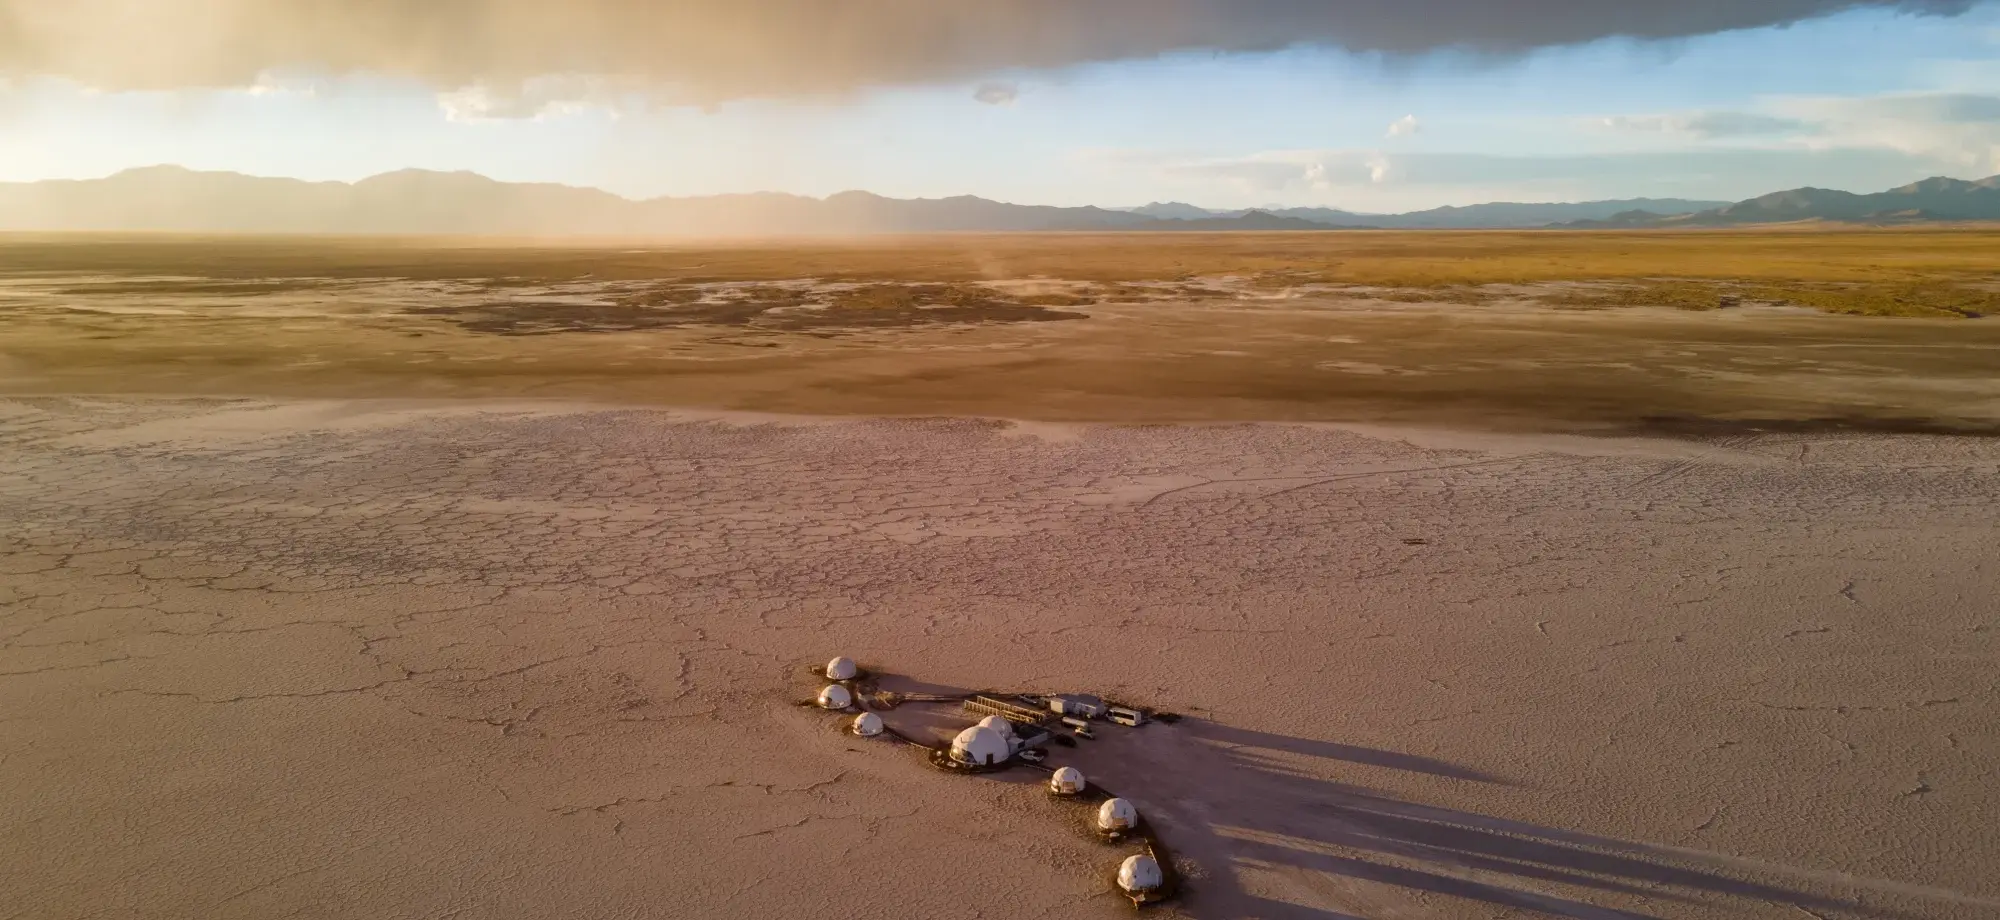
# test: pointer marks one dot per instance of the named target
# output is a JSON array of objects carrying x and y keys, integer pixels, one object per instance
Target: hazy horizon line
[{"x": 1268, "y": 208}]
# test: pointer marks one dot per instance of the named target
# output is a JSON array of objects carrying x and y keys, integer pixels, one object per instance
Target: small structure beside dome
[
  {"x": 835, "y": 697},
  {"x": 988, "y": 705},
  {"x": 1067, "y": 781},
  {"x": 868, "y": 725},
  {"x": 1080, "y": 705},
  {"x": 1024, "y": 727}
]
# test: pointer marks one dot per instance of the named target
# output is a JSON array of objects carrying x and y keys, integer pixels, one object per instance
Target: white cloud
[
  {"x": 997, "y": 93},
  {"x": 1403, "y": 127},
  {"x": 1711, "y": 124},
  {"x": 1962, "y": 129},
  {"x": 473, "y": 104},
  {"x": 1380, "y": 179},
  {"x": 269, "y": 84},
  {"x": 1284, "y": 170},
  {"x": 536, "y": 99}
]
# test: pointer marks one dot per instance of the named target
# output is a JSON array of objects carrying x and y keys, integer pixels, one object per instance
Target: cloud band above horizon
[{"x": 704, "y": 51}]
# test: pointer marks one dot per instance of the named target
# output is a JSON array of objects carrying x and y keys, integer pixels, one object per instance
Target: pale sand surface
[{"x": 385, "y": 660}]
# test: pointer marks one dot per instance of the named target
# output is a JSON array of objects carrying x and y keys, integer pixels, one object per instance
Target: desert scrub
[
  {"x": 1446, "y": 294},
  {"x": 1932, "y": 299},
  {"x": 1385, "y": 259},
  {"x": 1128, "y": 293},
  {"x": 1057, "y": 300},
  {"x": 907, "y": 296},
  {"x": 661, "y": 295},
  {"x": 1680, "y": 295}
]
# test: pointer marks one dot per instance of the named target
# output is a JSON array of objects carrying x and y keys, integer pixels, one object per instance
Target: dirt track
[{"x": 360, "y": 659}]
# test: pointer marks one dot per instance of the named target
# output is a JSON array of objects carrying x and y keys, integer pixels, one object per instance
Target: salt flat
[{"x": 531, "y": 659}]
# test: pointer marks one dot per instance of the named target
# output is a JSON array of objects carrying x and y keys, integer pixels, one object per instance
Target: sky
[{"x": 1365, "y": 105}]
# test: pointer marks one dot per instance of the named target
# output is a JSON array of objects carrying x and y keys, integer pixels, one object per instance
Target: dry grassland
[{"x": 1534, "y": 329}]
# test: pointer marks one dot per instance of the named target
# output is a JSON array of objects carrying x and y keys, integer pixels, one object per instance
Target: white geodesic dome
[
  {"x": 1117, "y": 815},
  {"x": 980, "y": 746},
  {"x": 841, "y": 669},
  {"x": 1140, "y": 873},
  {"x": 867, "y": 725},
  {"x": 1067, "y": 781},
  {"x": 999, "y": 724},
  {"x": 835, "y": 696}
]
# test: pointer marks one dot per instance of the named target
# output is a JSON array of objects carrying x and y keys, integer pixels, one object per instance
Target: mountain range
[
  {"x": 1934, "y": 199},
  {"x": 170, "y": 198},
  {"x": 412, "y": 201}
]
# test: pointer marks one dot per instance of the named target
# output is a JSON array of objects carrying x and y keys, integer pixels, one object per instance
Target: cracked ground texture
[{"x": 396, "y": 660}]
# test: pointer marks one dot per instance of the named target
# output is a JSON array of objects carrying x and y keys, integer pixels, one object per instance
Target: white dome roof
[
  {"x": 841, "y": 669},
  {"x": 999, "y": 724},
  {"x": 1067, "y": 781},
  {"x": 979, "y": 745},
  {"x": 1140, "y": 873},
  {"x": 835, "y": 696},
  {"x": 1117, "y": 815},
  {"x": 867, "y": 725}
]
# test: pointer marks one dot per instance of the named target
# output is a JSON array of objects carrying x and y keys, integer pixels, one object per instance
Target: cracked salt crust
[{"x": 508, "y": 659}]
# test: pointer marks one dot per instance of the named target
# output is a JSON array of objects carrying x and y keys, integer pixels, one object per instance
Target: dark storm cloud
[{"x": 706, "y": 50}]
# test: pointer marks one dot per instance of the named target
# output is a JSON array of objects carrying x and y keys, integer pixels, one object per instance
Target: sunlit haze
[
  {"x": 1027, "y": 102},
  {"x": 1025, "y": 459}
]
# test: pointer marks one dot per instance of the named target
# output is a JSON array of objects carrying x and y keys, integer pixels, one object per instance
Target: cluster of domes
[
  {"x": 836, "y": 696},
  {"x": 994, "y": 741}
]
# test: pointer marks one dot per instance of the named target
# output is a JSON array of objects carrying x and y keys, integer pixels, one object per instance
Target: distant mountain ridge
[
  {"x": 166, "y": 198},
  {"x": 1935, "y": 199},
  {"x": 412, "y": 201}
]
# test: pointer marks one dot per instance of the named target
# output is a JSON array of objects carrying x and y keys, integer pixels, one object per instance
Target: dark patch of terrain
[
  {"x": 195, "y": 287},
  {"x": 885, "y": 306},
  {"x": 1696, "y": 428}
]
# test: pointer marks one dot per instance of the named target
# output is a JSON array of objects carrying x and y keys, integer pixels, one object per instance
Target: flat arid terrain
[
  {"x": 365, "y": 659},
  {"x": 1512, "y": 577},
  {"x": 1525, "y": 331}
]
